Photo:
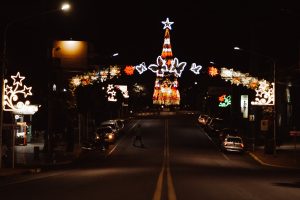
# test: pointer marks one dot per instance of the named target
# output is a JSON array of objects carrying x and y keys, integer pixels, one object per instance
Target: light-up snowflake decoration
[
  {"x": 265, "y": 94},
  {"x": 12, "y": 100}
]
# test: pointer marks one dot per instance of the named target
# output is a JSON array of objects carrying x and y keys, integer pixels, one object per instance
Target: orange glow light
[
  {"x": 212, "y": 71},
  {"x": 129, "y": 70}
]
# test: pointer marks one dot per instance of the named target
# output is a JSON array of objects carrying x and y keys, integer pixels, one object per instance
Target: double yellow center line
[{"x": 165, "y": 169}]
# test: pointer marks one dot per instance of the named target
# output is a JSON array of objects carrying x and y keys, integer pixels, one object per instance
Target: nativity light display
[{"x": 15, "y": 95}]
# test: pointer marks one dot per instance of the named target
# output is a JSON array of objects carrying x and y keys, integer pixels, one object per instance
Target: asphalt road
[{"x": 179, "y": 161}]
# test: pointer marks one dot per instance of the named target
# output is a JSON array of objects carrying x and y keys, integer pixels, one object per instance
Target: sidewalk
[
  {"x": 27, "y": 161},
  {"x": 286, "y": 156}
]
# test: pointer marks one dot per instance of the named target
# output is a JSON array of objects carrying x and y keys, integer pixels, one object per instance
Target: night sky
[{"x": 203, "y": 31}]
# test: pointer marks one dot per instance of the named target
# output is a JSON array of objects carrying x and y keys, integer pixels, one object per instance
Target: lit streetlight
[
  {"x": 274, "y": 80},
  {"x": 65, "y": 7}
]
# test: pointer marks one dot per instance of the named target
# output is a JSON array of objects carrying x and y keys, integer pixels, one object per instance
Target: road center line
[{"x": 165, "y": 167}]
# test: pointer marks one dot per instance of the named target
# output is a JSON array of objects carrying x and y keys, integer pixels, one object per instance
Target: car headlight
[{"x": 110, "y": 136}]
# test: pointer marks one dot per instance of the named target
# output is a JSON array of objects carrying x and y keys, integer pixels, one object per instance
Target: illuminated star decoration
[
  {"x": 18, "y": 79},
  {"x": 111, "y": 93},
  {"x": 141, "y": 68},
  {"x": 12, "y": 94},
  {"x": 196, "y": 68},
  {"x": 167, "y": 24},
  {"x": 160, "y": 67},
  {"x": 177, "y": 68}
]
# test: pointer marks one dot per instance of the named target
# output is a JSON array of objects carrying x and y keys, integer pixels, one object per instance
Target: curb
[{"x": 268, "y": 164}]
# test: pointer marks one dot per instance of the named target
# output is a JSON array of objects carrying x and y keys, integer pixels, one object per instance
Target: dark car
[{"x": 105, "y": 133}]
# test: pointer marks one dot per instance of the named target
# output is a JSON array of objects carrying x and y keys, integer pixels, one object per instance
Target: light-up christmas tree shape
[
  {"x": 167, "y": 69},
  {"x": 12, "y": 100}
]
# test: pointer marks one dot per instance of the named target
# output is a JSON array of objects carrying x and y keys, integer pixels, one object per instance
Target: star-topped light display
[
  {"x": 13, "y": 100},
  {"x": 167, "y": 24}
]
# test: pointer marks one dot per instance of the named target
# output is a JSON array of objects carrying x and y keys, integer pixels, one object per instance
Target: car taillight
[
  {"x": 242, "y": 145},
  {"x": 225, "y": 143}
]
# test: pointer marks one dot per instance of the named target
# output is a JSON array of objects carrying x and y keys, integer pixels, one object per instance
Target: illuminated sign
[{"x": 244, "y": 105}]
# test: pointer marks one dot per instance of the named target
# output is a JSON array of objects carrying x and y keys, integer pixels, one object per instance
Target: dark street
[{"x": 179, "y": 161}]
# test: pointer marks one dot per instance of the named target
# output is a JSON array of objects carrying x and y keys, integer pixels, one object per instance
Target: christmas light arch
[{"x": 168, "y": 69}]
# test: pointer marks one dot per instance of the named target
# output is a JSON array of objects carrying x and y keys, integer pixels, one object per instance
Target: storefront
[{"x": 23, "y": 119}]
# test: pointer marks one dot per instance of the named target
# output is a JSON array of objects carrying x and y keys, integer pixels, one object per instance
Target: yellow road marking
[{"x": 165, "y": 167}]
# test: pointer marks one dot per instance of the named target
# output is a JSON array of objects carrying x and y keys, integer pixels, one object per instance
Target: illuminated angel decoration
[
  {"x": 196, "y": 68},
  {"x": 141, "y": 68},
  {"x": 160, "y": 67},
  {"x": 176, "y": 67}
]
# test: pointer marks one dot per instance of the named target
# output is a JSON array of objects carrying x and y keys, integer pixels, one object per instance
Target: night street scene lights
[
  {"x": 273, "y": 60},
  {"x": 65, "y": 7}
]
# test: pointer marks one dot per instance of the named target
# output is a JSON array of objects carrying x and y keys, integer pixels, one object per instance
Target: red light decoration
[
  {"x": 129, "y": 70},
  {"x": 222, "y": 98}
]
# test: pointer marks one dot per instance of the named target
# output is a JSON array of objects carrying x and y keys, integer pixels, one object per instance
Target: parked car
[
  {"x": 106, "y": 133},
  {"x": 113, "y": 124},
  {"x": 120, "y": 124},
  {"x": 233, "y": 143},
  {"x": 203, "y": 119},
  {"x": 214, "y": 125}
]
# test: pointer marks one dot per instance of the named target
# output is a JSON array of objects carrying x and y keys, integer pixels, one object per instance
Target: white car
[{"x": 233, "y": 143}]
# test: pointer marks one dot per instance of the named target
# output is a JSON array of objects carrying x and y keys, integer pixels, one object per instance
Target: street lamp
[
  {"x": 65, "y": 7},
  {"x": 274, "y": 86}
]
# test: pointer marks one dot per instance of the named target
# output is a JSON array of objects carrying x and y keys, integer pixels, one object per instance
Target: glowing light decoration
[
  {"x": 12, "y": 100},
  {"x": 160, "y": 67},
  {"x": 111, "y": 93},
  {"x": 265, "y": 95},
  {"x": 129, "y": 70},
  {"x": 123, "y": 89},
  {"x": 176, "y": 67},
  {"x": 212, "y": 71},
  {"x": 196, "y": 68},
  {"x": 225, "y": 101},
  {"x": 167, "y": 24},
  {"x": 114, "y": 71},
  {"x": 141, "y": 68}
]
